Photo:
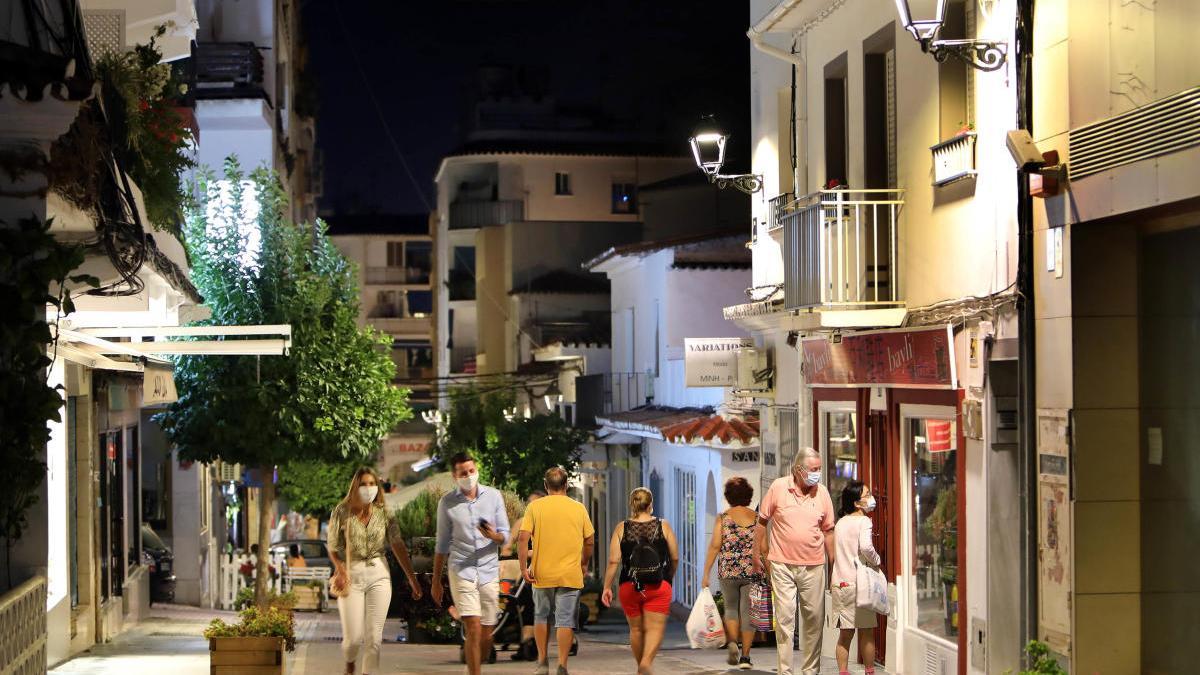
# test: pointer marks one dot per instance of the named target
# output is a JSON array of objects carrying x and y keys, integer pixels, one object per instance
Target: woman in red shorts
[{"x": 644, "y": 548}]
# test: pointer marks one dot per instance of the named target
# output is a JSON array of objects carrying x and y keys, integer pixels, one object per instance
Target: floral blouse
[
  {"x": 736, "y": 560},
  {"x": 368, "y": 541}
]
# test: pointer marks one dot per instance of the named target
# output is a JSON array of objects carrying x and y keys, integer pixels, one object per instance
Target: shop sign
[
  {"x": 938, "y": 435},
  {"x": 916, "y": 358},
  {"x": 746, "y": 456},
  {"x": 158, "y": 386},
  {"x": 712, "y": 362}
]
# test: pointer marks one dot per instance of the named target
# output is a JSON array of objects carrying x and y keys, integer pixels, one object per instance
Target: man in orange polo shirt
[{"x": 796, "y": 545}]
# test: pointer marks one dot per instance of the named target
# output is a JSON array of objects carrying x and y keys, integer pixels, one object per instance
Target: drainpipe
[{"x": 757, "y": 35}]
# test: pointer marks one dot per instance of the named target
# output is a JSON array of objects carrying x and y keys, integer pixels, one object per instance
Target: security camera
[{"x": 1024, "y": 151}]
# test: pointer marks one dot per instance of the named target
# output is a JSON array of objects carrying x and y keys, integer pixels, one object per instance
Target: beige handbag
[{"x": 341, "y": 591}]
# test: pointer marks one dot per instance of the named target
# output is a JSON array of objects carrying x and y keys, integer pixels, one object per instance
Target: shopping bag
[
  {"x": 872, "y": 589},
  {"x": 704, "y": 629},
  {"x": 760, "y": 608}
]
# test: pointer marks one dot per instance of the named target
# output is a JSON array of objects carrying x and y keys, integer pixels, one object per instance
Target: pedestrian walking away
[
  {"x": 471, "y": 526},
  {"x": 795, "y": 537},
  {"x": 852, "y": 537},
  {"x": 563, "y": 539},
  {"x": 732, "y": 549},
  {"x": 360, "y": 532},
  {"x": 645, "y": 550}
]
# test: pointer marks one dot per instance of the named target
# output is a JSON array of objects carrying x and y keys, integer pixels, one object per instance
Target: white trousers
[
  {"x": 363, "y": 611},
  {"x": 803, "y": 586}
]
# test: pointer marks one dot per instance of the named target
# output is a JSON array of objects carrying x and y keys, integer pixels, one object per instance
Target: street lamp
[
  {"x": 553, "y": 396},
  {"x": 708, "y": 148},
  {"x": 986, "y": 55}
]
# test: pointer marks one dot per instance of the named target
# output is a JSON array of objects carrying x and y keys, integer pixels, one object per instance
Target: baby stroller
[{"x": 516, "y": 612}]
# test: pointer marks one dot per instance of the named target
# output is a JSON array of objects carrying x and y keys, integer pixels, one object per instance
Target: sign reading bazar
[
  {"x": 912, "y": 357},
  {"x": 712, "y": 362}
]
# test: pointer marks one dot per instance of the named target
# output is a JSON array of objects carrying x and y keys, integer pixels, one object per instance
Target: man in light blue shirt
[{"x": 471, "y": 526}]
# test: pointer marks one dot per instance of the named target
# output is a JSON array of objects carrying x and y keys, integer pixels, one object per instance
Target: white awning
[{"x": 93, "y": 348}]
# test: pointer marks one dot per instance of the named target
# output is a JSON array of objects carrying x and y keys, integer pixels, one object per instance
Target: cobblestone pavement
[{"x": 169, "y": 642}]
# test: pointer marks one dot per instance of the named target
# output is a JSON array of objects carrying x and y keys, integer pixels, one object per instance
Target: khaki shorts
[
  {"x": 846, "y": 612},
  {"x": 475, "y": 599}
]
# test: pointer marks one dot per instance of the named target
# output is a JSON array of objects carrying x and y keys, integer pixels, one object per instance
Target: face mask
[
  {"x": 812, "y": 478},
  {"x": 869, "y": 504},
  {"x": 366, "y": 493},
  {"x": 468, "y": 482}
]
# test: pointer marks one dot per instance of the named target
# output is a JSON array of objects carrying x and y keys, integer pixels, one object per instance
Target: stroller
[{"x": 516, "y": 612}]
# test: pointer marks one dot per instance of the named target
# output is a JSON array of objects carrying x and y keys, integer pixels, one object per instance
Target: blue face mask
[{"x": 811, "y": 478}]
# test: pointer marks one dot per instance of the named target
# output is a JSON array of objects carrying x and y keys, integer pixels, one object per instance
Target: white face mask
[
  {"x": 366, "y": 493},
  {"x": 869, "y": 504},
  {"x": 468, "y": 482},
  {"x": 811, "y": 478}
]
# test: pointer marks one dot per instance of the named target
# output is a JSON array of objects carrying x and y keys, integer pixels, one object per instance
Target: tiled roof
[
  {"x": 687, "y": 426},
  {"x": 648, "y": 247}
]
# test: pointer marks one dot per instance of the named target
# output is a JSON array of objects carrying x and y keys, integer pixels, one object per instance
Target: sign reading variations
[
  {"x": 712, "y": 362},
  {"x": 918, "y": 358},
  {"x": 158, "y": 386}
]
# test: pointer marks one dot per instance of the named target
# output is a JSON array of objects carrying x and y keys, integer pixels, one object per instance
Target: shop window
[
  {"x": 934, "y": 489},
  {"x": 624, "y": 198},
  {"x": 562, "y": 183},
  {"x": 841, "y": 451}
]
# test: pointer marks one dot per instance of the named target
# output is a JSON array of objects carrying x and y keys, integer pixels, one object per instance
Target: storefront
[{"x": 886, "y": 411}]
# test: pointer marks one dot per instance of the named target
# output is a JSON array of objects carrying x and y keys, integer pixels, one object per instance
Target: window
[
  {"x": 562, "y": 183},
  {"x": 415, "y": 258},
  {"x": 624, "y": 198},
  {"x": 420, "y": 303},
  {"x": 386, "y": 306},
  {"x": 879, "y": 109},
  {"x": 395, "y": 254},
  {"x": 933, "y": 461},
  {"x": 687, "y": 580},
  {"x": 835, "y": 122},
  {"x": 841, "y": 447}
]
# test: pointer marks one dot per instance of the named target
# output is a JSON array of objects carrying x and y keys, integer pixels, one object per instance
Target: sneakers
[
  {"x": 732, "y": 648},
  {"x": 744, "y": 663},
  {"x": 542, "y": 669}
]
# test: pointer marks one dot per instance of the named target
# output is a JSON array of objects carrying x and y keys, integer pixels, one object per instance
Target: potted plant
[
  {"x": 254, "y": 644},
  {"x": 309, "y": 595}
]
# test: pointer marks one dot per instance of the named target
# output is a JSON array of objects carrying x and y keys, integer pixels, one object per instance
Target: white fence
[
  {"x": 232, "y": 580},
  {"x": 23, "y": 629}
]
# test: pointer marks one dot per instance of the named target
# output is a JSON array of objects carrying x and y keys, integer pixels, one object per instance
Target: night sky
[{"x": 654, "y": 64}]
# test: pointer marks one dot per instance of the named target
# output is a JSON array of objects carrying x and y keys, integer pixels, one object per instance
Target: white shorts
[{"x": 475, "y": 599}]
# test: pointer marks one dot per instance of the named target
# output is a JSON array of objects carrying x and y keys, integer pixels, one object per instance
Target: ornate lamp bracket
[
  {"x": 979, "y": 54},
  {"x": 746, "y": 182}
]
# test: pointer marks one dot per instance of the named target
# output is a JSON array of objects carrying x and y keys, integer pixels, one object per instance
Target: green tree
[
  {"x": 314, "y": 486},
  {"x": 330, "y": 398},
  {"x": 511, "y": 455}
]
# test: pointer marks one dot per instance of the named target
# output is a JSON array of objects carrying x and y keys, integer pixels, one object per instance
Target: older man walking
[
  {"x": 471, "y": 526},
  {"x": 796, "y": 515},
  {"x": 563, "y": 539}
]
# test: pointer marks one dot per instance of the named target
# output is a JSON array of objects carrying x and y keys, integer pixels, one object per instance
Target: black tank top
[{"x": 649, "y": 531}]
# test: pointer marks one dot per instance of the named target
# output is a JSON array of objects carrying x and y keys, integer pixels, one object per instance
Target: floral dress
[{"x": 736, "y": 560}]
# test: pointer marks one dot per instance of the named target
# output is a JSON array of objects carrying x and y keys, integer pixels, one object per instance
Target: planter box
[
  {"x": 591, "y": 600},
  {"x": 246, "y": 656},
  {"x": 308, "y": 598}
]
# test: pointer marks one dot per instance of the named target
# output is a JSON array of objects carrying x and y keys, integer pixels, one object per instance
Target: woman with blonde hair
[
  {"x": 360, "y": 532},
  {"x": 645, "y": 549}
]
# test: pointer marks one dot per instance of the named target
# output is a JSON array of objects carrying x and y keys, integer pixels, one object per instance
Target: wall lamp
[
  {"x": 983, "y": 55},
  {"x": 708, "y": 147}
]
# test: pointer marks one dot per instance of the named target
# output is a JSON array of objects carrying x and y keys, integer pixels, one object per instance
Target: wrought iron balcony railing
[
  {"x": 840, "y": 249},
  {"x": 418, "y": 276},
  {"x": 954, "y": 160},
  {"x": 466, "y": 215},
  {"x": 228, "y": 70}
]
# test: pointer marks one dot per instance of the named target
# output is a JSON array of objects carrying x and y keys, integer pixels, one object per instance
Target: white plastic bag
[
  {"x": 704, "y": 629},
  {"x": 872, "y": 590}
]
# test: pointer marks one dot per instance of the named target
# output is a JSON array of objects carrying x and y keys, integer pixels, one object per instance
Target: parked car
[
  {"x": 160, "y": 561},
  {"x": 313, "y": 551}
]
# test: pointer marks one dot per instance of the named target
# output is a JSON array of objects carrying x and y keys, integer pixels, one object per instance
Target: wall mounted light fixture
[
  {"x": 708, "y": 148},
  {"x": 986, "y": 55}
]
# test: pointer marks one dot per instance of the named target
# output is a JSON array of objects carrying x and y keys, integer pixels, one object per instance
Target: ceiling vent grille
[
  {"x": 1156, "y": 129},
  {"x": 105, "y": 30}
]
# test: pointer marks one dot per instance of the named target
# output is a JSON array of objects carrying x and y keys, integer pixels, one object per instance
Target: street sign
[{"x": 712, "y": 362}]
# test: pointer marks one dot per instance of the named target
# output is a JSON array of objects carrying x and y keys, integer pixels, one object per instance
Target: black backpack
[{"x": 645, "y": 565}]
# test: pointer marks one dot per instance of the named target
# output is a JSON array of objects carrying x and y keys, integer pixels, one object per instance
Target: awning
[
  {"x": 686, "y": 426},
  {"x": 93, "y": 348}
]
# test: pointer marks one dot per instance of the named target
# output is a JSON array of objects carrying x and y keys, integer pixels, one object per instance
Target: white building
[{"x": 688, "y": 444}]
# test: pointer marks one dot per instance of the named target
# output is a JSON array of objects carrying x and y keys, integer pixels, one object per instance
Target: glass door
[{"x": 839, "y": 445}]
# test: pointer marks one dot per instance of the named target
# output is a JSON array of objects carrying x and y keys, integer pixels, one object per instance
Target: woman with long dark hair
[
  {"x": 852, "y": 538},
  {"x": 360, "y": 532}
]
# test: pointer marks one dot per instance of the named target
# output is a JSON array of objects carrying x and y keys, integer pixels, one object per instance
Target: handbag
[
  {"x": 761, "y": 611},
  {"x": 871, "y": 589},
  {"x": 341, "y": 591}
]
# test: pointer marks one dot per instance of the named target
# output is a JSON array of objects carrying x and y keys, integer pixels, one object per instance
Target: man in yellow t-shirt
[{"x": 563, "y": 538}]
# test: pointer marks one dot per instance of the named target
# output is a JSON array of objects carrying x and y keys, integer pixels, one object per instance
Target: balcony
[
  {"x": 465, "y": 215},
  {"x": 954, "y": 160},
  {"x": 462, "y": 360},
  {"x": 840, "y": 250},
  {"x": 607, "y": 393},
  {"x": 416, "y": 276},
  {"x": 414, "y": 374},
  {"x": 227, "y": 70}
]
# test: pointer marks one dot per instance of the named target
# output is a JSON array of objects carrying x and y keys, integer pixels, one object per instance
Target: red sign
[
  {"x": 937, "y": 436},
  {"x": 920, "y": 358}
]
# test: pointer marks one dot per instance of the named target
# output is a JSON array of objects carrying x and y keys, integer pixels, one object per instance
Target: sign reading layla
[
  {"x": 712, "y": 362},
  {"x": 158, "y": 386},
  {"x": 918, "y": 357}
]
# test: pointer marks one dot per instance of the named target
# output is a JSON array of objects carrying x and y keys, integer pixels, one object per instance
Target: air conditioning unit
[
  {"x": 754, "y": 372},
  {"x": 229, "y": 473}
]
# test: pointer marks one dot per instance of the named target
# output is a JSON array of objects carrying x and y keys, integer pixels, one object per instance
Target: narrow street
[{"x": 169, "y": 641}]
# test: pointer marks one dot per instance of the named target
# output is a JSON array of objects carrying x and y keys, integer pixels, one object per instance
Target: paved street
[{"x": 170, "y": 641}]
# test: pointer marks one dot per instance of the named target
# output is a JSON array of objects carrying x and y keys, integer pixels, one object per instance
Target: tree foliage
[
  {"x": 511, "y": 455},
  {"x": 34, "y": 270},
  {"x": 331, "y": 396},
  {"x": 313, "y": 487}
]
